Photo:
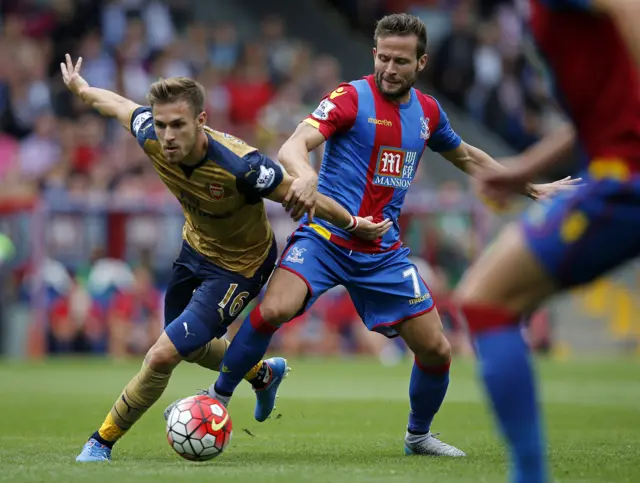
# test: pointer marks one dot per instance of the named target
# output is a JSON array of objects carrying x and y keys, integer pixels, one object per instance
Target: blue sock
[
  {"x": 427, "y": 388},
  {"x": 246, "y": 349},
  {"x": 509, "y": 380}
]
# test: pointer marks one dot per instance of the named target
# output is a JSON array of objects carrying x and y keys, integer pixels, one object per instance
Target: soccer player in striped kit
[{"x": 376, "y": 130}]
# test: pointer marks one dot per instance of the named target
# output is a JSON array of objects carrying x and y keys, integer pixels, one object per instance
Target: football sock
[
  {"x": 248, "y": 346},
  {"x": 140, "y": 394},
  {"x": 261, "y": 375},
  {"x": 427, "y": 388},
  {"x": 508, "y": 376},
  {"x": 210, "y": 357}
]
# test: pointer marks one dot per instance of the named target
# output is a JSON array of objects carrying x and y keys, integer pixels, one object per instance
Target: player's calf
[
  {"x": 285, "y": 296},
  {"x": 428, "y": 384},
  {"x": 142, "y": 391},
  {"x": 492, "y": 298},
  {"x": 181, "y": 337}
]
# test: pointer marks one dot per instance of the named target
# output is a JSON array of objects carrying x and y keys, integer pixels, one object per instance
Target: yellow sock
[
  {"x": 253, "y": 372},
  {"x": 109, "y": 430}
]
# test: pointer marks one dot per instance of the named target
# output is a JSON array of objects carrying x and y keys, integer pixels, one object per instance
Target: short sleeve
[
  {"x": 336, "y": 112},
  {"x": 444, "y": 138},
  {"x": 141, "y": 124},
  {"x": 258, "y": 175}
]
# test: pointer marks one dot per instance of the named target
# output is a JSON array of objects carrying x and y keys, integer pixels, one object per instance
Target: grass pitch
[{"x": 341, "y": 421}]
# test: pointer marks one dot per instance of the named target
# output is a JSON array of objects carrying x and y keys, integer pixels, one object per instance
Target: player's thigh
[
  {"x": 307, "y": 269},
  {"x": 179, "y": 292},
  {"x": 582, "y": 236},
  {"x": 214, "y": 305},
  {"x": 507, "y": 275},
  {"x": 424, "y": 335},
  {"x": 389, "y": 293},
  {"x": 565, "y": 242}
]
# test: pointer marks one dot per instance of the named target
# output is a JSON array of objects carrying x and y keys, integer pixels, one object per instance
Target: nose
[
  {"x": 169, "y": 135},
  {"x": 391, "y": 69}
]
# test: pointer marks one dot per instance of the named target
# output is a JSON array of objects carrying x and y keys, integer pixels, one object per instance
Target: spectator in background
[
  {"x": 195, "y": 47},
  {"x": 98, "y": 65},
  {"x": 7, "y": 252},
  {"x": 453, "y": 69},
  {"x": 281, "y": 50},
  {"x": 133, "y": 318},
  {"x": 76, "y": 322},
  {"x": 250, "y": 88},
  {"x": 226, "y": 48},
  {"x": 324, "y": 77},
  {"x": 40, "y": 150}
]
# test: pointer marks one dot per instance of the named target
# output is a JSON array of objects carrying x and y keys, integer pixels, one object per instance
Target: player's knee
[
  {"x": 463, "y": 295},
  {"x": 276, "y": 312},
  {"x": 434, "y": 351},
  {"x": 162, "y": 358}
]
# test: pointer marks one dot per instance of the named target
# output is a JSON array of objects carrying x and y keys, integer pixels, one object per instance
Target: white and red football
[{"x": 199, "y": 428}]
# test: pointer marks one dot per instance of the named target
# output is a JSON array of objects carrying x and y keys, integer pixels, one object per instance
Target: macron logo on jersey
[
  {"x": 380, "y": 122},
  {"x": 395, "y": 168}
]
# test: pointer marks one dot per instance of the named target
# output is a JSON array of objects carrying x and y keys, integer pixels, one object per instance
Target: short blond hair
[{"x": 176, "y": 89}]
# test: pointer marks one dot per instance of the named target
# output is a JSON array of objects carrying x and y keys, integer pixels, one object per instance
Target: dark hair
[
  {"x": 402, "y": 24},
  {"x": 176, "y": 89}
]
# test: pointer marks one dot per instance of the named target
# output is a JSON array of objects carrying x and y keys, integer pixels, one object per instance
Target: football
[{"x": 199, "y": 428}]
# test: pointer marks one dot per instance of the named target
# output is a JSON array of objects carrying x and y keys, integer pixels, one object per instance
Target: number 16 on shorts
[{"x": 236, "y": 305}]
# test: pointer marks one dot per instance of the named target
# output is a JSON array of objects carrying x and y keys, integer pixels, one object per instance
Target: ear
[
  {"x": 202, "y": 120},
  {"x": 375, "y": 51},
  {"x": 422, "y": 62}
]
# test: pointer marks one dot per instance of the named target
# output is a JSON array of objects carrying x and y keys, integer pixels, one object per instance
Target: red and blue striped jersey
[
  {"x": 372, "y": 153},
  {"x": 595, "y": 78}
]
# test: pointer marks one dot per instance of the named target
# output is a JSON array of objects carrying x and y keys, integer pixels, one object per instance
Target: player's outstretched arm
[
  {"x": 474, "y": 161},
  {"x": 294, "y": 156},
  {"x": 479, "y": 164},
  {"x": 106, "y": 102},
  {"x": 626, "y": 15},
  {"x": 334, "y": 213}
]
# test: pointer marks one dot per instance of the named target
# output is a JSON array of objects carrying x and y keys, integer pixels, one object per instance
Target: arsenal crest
[{"x": 216, "y": 190}]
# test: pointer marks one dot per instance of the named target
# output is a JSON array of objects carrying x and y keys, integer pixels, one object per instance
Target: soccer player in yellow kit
[{"x": 228, "y": 251}]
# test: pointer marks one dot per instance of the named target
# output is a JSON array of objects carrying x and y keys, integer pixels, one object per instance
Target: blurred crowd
[
  {"x": 258, "y": 88},
  {"x": 112, "y": 308}
]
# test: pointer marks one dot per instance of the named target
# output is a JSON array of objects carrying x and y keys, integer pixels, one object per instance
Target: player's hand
[
  {"x": 368, "y": 230},
  {"x": 547, "y": 190},
  {"x": 71, "y": 75},
  {"x": 499, "y": 186},
  {"x": 301, "y": 197}
]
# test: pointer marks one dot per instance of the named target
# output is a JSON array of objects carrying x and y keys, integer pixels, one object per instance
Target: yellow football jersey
[{"x": 221, "y": 196}]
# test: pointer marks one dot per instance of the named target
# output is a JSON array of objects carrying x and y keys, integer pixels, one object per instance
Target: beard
[{"x": 401, "y": 90}]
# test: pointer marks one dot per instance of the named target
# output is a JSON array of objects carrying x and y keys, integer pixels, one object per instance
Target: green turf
[{"x": 342, "y": 420}]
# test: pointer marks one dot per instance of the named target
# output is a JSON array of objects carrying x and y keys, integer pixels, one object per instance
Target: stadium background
[{"x": 88, "y": 232}]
